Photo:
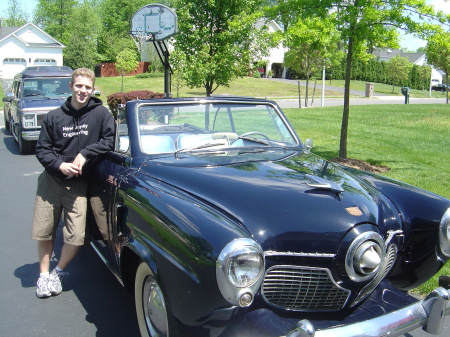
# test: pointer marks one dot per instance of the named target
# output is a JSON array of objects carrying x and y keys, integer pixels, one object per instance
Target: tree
[
  {"x": 438, "y": 53},
  {"x": 218, "y": 41},
  {"x": 15, "y": 14},
  {"x": 115, "y": 32},
  {"x": 116, "y": 15},
  {"x": 53, "y": 16},
  {"x": 364, "y": 24},
  {"x": 81, "y": 50},
  {"x": 398, "y": 69},
  {"x": 312, "y": 44},
  {"x": 424, "y": 74},
  {"x": 126, "y": 61}
]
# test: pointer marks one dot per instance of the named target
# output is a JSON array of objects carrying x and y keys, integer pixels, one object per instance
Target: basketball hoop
[
  {"x": 155, "y": 22},
  {"x": 140, "y": 37}
]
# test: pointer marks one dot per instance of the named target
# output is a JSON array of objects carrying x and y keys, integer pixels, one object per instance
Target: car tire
[
  {"x": 25, "y": 147},
  {"x": 153, "y": 317},
  {"x": 6, "y": 120}
]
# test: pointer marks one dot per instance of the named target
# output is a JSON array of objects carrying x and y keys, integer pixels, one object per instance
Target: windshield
[
  {"x": 210, "y": 126},
  {"x": 46, "y": 87}
]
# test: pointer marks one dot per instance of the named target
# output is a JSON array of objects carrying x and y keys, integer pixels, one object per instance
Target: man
[{"x": 71, "y": 137}]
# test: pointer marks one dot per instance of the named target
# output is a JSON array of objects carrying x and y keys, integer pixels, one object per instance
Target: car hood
[
  {"x": 283, "y": 199},
  {"x": 42, "y": 102}
]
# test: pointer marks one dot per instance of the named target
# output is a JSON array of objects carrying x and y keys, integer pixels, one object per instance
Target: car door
[{"x": 107, "y": 216}]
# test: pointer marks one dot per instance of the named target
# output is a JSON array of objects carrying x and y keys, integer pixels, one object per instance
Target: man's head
[{"x": 82, "y": 87}]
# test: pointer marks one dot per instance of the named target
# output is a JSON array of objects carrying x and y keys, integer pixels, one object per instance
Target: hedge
[
  {"x": 375, "y": 71},
  {"x": 119, "y": 98}
]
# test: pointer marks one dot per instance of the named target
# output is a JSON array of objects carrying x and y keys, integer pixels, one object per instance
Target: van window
[{"x": 47, "y": 86}]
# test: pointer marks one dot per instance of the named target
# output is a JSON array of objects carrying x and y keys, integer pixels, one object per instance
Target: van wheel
[
  {"x": 25, "y": 147},
  {"x": 153, "y": 317},
  {"x": 6, "y": 120}
]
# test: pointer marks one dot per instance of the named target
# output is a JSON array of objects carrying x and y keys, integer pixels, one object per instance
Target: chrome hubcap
[{"x": 154, "y": 309}]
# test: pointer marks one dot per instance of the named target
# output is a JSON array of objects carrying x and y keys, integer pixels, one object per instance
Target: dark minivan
[{"x": 35, "y": 91}]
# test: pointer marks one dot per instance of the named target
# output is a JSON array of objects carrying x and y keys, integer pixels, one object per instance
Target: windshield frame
[{"x": 135, "y": 107}]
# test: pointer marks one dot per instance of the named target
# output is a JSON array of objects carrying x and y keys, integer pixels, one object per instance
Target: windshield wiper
[
  {"x": 203, "y": 146},
  {"x": 256, "y": 140}
]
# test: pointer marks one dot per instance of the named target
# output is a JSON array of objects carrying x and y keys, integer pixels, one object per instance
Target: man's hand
[
  {"x": 75, "y": 168},
  {"x": 70, "y": 170},
  {"x": 79, "y": 161}
]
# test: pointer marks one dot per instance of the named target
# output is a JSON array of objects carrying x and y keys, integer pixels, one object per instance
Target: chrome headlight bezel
[
  {"x": 28, "y": 121},
  {"x": 237, "y": 286},
  {"x": 368, "y": 243},
  {"x": 444, "y": 234}
]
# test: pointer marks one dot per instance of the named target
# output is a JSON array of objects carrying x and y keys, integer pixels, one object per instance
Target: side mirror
[
  {"x": 9, "y": 97},
  {"x": 307, "y": 146}
]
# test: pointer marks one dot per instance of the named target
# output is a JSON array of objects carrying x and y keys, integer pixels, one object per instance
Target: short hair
[{"x": 83, "y": 72}]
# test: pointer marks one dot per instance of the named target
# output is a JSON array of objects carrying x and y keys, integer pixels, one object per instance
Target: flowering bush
[{"x": 120, "y": 98}]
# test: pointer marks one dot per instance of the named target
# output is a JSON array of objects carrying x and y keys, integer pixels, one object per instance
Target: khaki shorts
[{"x": 55, "y": 195}]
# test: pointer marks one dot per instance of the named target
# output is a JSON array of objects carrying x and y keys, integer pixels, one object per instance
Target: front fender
[
  {"x": 421, "y": 213},
  {"x": 180, "y": 237}
]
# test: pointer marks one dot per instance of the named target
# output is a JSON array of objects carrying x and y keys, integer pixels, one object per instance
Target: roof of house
[
  {"x": 9, "y": 31},
  {"x": 6, "y": 31},
  {"x": 390, "y": 53}
]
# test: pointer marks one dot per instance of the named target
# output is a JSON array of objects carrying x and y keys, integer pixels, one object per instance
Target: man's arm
[
  {"x": 106, "y": 142},
  {"x": 44, "y": 148}
]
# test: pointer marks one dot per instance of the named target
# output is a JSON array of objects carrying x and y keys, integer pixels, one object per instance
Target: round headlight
[
  {"x": 240, "y": 271},
  {"x": 244, "y": 266},
  {"x": 365, "y": 256},
  {"x": 444, "y": 234}
]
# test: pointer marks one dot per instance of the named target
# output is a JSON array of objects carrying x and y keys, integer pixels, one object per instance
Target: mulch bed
[{"x": 360, "y": 164}]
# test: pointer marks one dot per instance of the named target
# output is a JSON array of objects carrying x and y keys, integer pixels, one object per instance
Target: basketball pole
[{"x": 163, "y": 53}]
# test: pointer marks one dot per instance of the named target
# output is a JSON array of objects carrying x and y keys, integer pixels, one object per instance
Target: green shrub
[{"x": 119, "y": 98}]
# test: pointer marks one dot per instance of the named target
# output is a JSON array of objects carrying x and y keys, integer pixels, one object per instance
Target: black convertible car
[{"x": 222, "y": 223}]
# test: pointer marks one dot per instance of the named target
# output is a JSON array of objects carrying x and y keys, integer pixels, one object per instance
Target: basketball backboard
[{"x": 155, "y": 21}]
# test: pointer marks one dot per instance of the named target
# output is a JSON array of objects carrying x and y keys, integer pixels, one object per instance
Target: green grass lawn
[
  {"x": 413, "y": 141},
  {"x": 247, "y": 86}
]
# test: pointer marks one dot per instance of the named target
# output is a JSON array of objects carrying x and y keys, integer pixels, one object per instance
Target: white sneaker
[
  {"x": 42, "y": 290},
  {"x": 55, "y": 282}
]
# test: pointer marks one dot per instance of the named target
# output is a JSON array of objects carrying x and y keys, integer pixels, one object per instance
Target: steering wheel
[{"x": 254, "y": 133}]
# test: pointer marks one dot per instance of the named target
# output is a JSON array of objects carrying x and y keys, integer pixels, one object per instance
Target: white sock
[
  {"x": 59, "y": 270},
  {"x": 46, "y": 275}
]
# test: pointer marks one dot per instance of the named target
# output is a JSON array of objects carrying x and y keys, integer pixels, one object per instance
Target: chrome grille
[
  {"x": 39, "y": 119},
  {"x": 389, "y": 261},
  {"x": 303, "y": 289}
]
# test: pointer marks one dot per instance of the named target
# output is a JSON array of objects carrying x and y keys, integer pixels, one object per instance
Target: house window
[
  {"x": 13, "y": 60},
  {"x": 44, "y": 62}
]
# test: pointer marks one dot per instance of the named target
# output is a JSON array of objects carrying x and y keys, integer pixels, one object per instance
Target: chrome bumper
[
  {"x": 428, "y": 313},
  {"x": 30, "y": 135}
]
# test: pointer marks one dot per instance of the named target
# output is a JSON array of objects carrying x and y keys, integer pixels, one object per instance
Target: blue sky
[{"x": 408, "y": 41}]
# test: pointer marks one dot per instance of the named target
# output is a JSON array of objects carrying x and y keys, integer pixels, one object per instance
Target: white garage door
[{"x": 12, "y": 66}]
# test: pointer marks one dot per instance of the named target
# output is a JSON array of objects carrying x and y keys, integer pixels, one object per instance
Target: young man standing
[{"x": 71, "y": 137}]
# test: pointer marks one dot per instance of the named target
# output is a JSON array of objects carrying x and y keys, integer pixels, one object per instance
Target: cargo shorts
[{"x": 55, "y": 195}]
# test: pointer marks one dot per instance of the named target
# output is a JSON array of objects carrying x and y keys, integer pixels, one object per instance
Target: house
[
  {"x": 26, "y": 46},
  {"x": 275, "y": 59},
  {"x": 419, "y": 59}
]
